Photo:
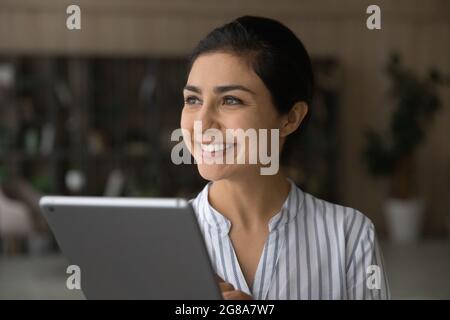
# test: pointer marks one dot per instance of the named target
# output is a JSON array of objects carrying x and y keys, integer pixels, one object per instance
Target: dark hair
[{"x": 275, "y": 53}]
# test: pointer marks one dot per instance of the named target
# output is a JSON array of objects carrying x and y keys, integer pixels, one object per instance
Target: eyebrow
[{"x": 220, "y": 89}]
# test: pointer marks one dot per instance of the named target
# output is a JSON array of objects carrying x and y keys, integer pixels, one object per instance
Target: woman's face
[{"x": 223, "y": 92}]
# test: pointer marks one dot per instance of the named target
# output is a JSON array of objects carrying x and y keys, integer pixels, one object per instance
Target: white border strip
[{"x": 112, "y": 202}]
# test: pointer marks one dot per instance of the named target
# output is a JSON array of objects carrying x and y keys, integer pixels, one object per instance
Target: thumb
[{"x": 219, "y": 279}]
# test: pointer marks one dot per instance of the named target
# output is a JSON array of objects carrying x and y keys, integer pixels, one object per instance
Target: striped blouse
[{"x": 315, "y": 250}]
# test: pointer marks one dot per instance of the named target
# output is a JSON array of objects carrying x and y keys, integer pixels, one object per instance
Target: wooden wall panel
[{"x": 420, "y": 30}]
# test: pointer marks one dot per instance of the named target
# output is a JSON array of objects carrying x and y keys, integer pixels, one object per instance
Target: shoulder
[{"x": 346, "y": 219}]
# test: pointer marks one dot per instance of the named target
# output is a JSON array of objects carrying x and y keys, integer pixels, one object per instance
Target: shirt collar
[{"x": 287, "y": 213}]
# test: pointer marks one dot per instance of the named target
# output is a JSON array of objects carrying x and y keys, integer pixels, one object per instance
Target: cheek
[
  {"x": 269, "y": 118},
  {"x": 264, "y": 116},
  {"x": 186, "y": 121},
  {"x": 255, "y": 121},
  {"x": 187, "y": 126},
  {"x": 265, "y": 119},
  {"x": 242, "y": 120}
]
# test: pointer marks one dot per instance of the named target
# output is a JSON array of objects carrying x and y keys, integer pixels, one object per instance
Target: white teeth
[{"x": 211, "y": 147}]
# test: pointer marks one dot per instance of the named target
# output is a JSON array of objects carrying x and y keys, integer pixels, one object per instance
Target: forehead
[{"x": 215, "y": 69}]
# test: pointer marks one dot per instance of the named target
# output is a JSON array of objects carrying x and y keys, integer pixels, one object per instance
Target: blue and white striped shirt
[{"x": 315, "y": 250}]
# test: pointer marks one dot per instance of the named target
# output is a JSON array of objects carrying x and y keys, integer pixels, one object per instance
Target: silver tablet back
[{"x": 129, "y": 248}]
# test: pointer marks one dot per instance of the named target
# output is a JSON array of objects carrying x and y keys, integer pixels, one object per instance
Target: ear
[{"x": 292, "y": 120}]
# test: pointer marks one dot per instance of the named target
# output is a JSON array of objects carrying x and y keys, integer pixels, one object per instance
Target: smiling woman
[{"x": 267, "y": 238}]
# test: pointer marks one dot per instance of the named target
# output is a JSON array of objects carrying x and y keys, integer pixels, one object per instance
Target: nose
[{"x": 208, "y": 117}]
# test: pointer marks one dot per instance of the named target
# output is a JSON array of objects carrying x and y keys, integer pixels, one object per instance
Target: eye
[
  {"x": 191, "y": 100},
  {"x": 230, "y": 100}
]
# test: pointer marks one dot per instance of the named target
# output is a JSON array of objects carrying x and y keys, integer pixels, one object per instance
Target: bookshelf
[{"x": 101, "y": 125}]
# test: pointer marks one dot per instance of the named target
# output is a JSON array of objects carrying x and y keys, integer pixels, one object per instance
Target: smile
[{"x": 215, "y": 147}]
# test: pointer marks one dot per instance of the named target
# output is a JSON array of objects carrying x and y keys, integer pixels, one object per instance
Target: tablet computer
[{"x": 133, "y": 248}]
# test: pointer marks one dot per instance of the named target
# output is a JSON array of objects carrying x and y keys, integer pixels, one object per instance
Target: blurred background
[{"x": 90, "y": 112}]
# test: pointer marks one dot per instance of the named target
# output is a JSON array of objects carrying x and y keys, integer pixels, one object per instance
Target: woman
[{"x": 267, "y": 238}]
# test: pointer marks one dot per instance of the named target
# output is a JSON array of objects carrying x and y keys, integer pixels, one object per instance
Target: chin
[
  {"x": 216, "y": 172},
  {"x": 213, "y": 172}
]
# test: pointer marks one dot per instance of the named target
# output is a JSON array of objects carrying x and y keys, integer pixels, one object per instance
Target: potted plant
[{"x": 392, "y": 154}]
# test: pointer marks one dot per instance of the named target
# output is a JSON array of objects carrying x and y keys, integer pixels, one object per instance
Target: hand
[{"x": 229, "y": 293}]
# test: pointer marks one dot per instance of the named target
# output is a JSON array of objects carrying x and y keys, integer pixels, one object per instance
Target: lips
[{"x": 214, "y": 150}]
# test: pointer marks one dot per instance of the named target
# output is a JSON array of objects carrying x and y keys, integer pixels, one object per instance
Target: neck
[{"x": 249, "y": 202}]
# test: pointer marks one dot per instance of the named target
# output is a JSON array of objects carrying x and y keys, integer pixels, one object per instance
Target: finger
[
  {"x": 236, "y": 295},
  {"x": 225, "y": 286},
  {"x": 219, "y": 279}
]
